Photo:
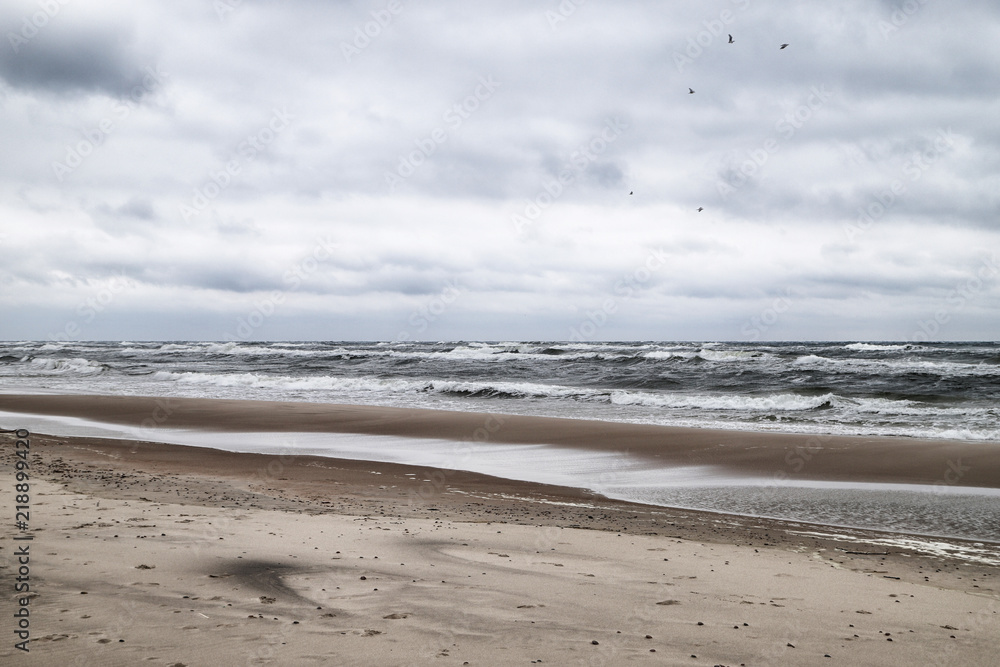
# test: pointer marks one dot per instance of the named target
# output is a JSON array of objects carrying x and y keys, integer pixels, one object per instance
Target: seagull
[
  {"x": 731, "y": 40},
  {"x": 782, "y": 46},
  {"x": 701, "y": 208},
  {"x": 630, "y": 192},
  {"x": 690, "y": 91}
]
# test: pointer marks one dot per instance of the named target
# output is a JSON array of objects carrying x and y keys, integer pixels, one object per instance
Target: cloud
[
  {"x": 58, "y": 51},
  {"x": 496, "y": 145}
]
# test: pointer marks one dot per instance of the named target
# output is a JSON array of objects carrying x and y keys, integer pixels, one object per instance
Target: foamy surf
[{"x": 931, "y": 390}]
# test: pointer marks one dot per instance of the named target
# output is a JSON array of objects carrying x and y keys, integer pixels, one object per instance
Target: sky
[{"x": 410, "y": 170}]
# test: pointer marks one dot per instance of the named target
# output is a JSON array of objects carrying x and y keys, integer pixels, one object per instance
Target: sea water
[{"x": 940, "y": 390}]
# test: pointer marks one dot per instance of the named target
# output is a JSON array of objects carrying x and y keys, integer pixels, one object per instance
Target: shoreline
[
  {"x": 419, "y": 486},
  {"x": 780, "y": 456}
]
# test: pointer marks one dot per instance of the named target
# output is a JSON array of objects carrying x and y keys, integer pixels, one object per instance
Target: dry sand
[{"x": 164, "y": 555}]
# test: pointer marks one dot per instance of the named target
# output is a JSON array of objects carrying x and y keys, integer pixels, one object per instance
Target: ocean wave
[
  {"x": 878, "y": 347},
  {"x": 898, "y": 366},
  {"x": 180, "y": 347},
  {"x": 470, "y": 352},
  {"x": 725, "y": 402},
  {"x": 906, "y": 407},
  {"x": 960, "y": 434},
  {"x": 733, "y": 403},
  {"x": 284, "y": 382},
  {"x": 370, "y": 384},
  {"x": 660, "y": 355},
  {"x": 732, "y": 355},
  {"x": 66, "y": 366},
  {"x": 233, "y": 349},
  {"x": 495, "y": 355},
  {"x": 712, "y": 355},
  {"x": 510, "y": 390},
  {"x": 245, "y": 349}
]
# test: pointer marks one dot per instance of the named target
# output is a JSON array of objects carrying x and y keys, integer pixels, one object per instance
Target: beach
[
  {"x": 781, "y": 455},
  {"x": 150, "y": 553}
]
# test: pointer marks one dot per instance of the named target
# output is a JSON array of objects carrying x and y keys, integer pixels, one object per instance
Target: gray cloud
[{"x": 64, "y": 56}]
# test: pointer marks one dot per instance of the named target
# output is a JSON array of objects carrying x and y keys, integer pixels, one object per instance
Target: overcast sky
[{"x": 500, "y": 170}]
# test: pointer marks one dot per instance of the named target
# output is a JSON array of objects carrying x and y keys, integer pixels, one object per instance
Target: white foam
[
  {"x": 976, "y": 552},
  {"x": 670, "y": 354},
  {"x": 75, "y": 365},
  {"x": 732, "y": 355},
  {"x": 900, "y": 366},
  {"x": 874, "y": 347},
  {"x": 283, "y": 382},
  {"x": 772, "y": 403}
]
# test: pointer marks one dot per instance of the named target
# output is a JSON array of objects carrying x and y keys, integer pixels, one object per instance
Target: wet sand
[
  {"x": 146, "y": 553},
  {"x": 780, "y": 455}
]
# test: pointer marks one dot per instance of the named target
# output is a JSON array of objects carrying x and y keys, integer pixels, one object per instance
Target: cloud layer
[{"x": 395, "y": 169}]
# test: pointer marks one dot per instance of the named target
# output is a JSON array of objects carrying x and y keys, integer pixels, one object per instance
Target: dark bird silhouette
[
  {"x": 782, "y": 46},
  {"x": 700, "y": 209},
  {"x": 690, "y": 91},
  {"x": 731, "y": 40},
  {"x": 630, "y": 192}
]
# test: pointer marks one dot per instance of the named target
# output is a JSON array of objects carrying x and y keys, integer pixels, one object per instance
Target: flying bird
[
  {"x": 731, "y": 40},
  {"x": 690, "y": 91},
  {"x": 782, "y": 46},
  {"x": 630, "y": 192},
  {"x": 701, "y": 208}
]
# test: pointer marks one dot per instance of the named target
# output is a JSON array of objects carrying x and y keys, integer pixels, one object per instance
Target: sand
[
  {"x": 789, "y": 456},
  {"x": 146, "y": 553}
]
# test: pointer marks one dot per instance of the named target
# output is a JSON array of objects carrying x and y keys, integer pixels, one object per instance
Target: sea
[
  {"x": 935, "y": 390},
  {"x": 926, "y": 391}
]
